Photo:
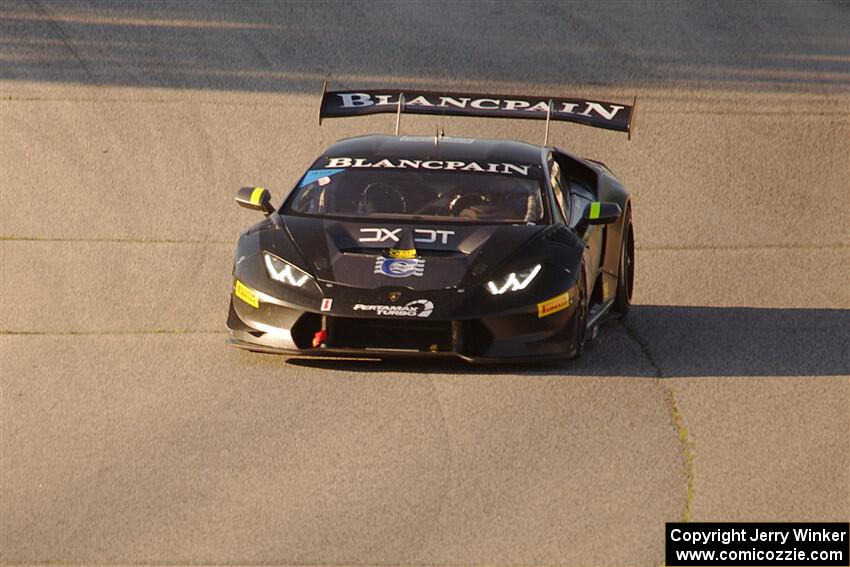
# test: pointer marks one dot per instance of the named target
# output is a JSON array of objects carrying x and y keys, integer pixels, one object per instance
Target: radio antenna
[
  {"x": 322, "y": 99},
  {"x": 398, "y": 113},
  {"x": 548, "y": 116}
]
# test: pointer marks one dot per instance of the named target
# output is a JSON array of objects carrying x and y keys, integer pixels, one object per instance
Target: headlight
[
  {"x": 284, "y": 272},
  {"x": 515, "y": 281}
]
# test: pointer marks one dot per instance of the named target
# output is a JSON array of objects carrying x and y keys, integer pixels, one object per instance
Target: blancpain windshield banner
[{"x": 600, "y": 114}]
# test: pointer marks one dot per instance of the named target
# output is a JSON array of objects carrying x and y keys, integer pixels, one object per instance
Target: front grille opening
[
  {"x": 476, "y": 337},
  {"x": 402, "y": 334},
  {"x": 305, "y": 329}
]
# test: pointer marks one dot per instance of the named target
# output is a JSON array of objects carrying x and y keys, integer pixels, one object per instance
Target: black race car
[{"x": 479, "y": 249}]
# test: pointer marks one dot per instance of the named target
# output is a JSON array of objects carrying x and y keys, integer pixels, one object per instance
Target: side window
[
  {"x": 580, "y": 204},
  {"x": 559, "y": 189}
]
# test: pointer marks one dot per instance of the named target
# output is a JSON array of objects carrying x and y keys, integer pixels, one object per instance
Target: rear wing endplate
[{"x": 596, "y": 113}]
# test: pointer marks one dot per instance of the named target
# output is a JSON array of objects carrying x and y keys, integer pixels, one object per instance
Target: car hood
[{"x": 357, "y": 254}]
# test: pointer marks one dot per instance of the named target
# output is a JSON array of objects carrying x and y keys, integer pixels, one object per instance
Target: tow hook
[{"x": 320, "y": 338}]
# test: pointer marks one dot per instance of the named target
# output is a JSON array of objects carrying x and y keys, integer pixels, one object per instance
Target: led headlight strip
[
  {"x": 284, "y": 272},
  {"x": 515, "y": 281}
]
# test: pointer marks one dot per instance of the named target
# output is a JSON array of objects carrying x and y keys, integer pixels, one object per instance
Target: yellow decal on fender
[
  {"x": 557, "y": 303},
  {"x": 247, "y": 295}
]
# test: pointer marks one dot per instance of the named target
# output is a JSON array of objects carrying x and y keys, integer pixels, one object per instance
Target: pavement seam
[
  {"x": 62, "y": 563},
  {"x": 678, "y": 248},
  {"x": 677, "y": 420},
  {"x": 744, "y": 247},
  {"x": 311, "y": 106},
  {"x": 25, "y": 333},
  {"x": 55, "y": 25},
  {"x": 12, "y": 238}
]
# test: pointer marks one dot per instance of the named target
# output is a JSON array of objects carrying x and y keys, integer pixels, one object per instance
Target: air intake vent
[
  {"x": 404, "y": 334},
  {"x": 563, "y": 236}
]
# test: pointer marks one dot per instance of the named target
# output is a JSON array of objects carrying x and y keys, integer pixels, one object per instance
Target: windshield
[{"x": 448, "y": 195}]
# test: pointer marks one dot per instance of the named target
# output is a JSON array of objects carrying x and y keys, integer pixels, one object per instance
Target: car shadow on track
[{"x": 670, "y": 342}]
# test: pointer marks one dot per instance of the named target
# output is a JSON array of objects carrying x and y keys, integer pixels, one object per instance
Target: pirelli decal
[
  {"x": 597, "y": 113},
  {"x": 550, "y": 306},
  {"x": 246, "y": 294}
]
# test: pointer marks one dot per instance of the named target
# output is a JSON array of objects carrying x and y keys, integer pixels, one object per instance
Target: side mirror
[
  {"x": 602, "y": 213},
  {"x": 255, "y": 198}
]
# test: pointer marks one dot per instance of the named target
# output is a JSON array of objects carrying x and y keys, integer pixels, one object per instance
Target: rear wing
[{"x": 596, "y": 113}]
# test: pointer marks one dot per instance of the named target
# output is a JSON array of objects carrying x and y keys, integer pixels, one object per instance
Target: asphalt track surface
[{"x": 130, "y": 433}]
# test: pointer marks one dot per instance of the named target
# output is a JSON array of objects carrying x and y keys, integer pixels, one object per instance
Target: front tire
[
  {"x": 626, "y": 276},
  {"x": 580, "y": 319}
]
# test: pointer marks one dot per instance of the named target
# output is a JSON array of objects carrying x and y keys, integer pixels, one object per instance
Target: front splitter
[{"x": 378, "y": 354}]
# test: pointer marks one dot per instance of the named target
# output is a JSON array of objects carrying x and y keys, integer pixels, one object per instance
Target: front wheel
[
  {"x": 580, "y": 318},
  {"x": 626, "y": 277}
]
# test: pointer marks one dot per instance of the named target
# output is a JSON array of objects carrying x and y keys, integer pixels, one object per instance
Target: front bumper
[{"x": 514, "y": 337}]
